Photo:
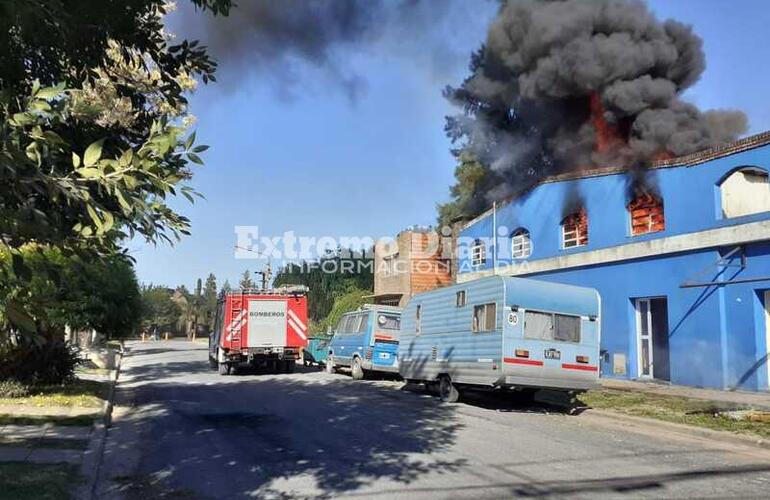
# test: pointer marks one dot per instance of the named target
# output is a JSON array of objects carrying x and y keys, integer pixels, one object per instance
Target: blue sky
[{"x": 321, "y": 165}]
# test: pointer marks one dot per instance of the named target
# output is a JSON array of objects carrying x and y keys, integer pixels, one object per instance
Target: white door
[
  {"x": 644, "y": 338},
  {"x": 767, "y": 335}
]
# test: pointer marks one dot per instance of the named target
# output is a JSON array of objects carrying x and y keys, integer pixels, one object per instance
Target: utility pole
[{"x": 267, "y": 274}]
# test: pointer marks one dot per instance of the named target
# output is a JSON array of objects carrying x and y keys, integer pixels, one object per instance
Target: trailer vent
[{"x": 434, "y": 353}]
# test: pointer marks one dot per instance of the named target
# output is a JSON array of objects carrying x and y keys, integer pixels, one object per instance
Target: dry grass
[
  {"x": 679, "y": 410},
  {"x": 82, "y": 393}
]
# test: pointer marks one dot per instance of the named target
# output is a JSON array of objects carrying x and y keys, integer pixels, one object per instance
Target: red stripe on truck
[
  {"x": 517, "y": 361},
  {"x": 585, "y": 368}
]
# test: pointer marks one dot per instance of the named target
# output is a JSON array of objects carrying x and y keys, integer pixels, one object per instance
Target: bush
[
  {"x": 13, "y": 389},
  {"x": 346, "y": 303},
  {"x": 34, "y": 363}
]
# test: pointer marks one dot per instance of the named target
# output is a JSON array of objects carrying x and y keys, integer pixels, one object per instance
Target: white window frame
[
  {"x": 478, "y": 254},
  {"x": 521, "y": 244}
]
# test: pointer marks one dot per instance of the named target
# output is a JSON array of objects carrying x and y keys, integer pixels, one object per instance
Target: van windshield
[{"x": 389, "y": 321}]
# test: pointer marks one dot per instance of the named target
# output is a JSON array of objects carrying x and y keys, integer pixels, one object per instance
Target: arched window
[
  {"x": 745, "y": 191},
  {"x": 646, "y": 211},
  {"x": 521, "y": 244},
  {"x": 574, "y": 229},
  {"x": 478, "y": 253}
]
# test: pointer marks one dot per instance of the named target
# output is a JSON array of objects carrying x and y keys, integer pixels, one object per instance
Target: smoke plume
[
  {"x": 577, "y": 84},
  {"x": 277, "y": 39}
]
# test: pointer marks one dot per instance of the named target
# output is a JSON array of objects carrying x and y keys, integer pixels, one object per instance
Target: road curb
[
  {"x": 92, "y": 457},
  {"x": 721, "y": 436}
]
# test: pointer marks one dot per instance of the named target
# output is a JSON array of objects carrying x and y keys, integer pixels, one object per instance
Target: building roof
[{"x": 690, "y": 160}]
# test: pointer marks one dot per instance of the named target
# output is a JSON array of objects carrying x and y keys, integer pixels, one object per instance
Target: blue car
[{"x": 366, "y": 341}]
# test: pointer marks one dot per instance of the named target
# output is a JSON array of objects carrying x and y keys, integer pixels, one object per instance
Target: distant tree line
[
  {"x": 329, "y": 282},
  {"x": 178, "y": 311}
]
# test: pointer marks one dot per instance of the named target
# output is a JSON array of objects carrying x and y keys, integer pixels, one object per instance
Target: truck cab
[{"x": 366, "y": 341}]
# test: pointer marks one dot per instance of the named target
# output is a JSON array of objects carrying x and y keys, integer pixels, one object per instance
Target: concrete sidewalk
[
  {"x": 755, "y": 400},
  {"x": 46, "y": 431},
  {"x": 31, "y": 446}
]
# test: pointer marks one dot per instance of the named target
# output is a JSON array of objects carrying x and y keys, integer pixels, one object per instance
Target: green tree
[
  {"x": 192, "y": 307},
  {"x": 93, "y": 127},
  {"x": 210, "y": 300},
  {"x": 226, "y": 287},
  {"x": 466, "y": 194},
  {"x": 70, "y": 291},
  {"x": 159, "y": 309},
  {"x": 93, "y": 116},
  {"x": 329, "y": 279},
  {"x": 246, "y": 281},
  {"x": 347, "y": 302}
]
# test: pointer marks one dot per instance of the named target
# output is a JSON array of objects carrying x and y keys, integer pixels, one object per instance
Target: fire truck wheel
[
  {"x": 225, "y": 369},
  {"x": 330, "y": 364},
  {"x": 447, "y": 391},
  {"x": 356, "y": 370}
]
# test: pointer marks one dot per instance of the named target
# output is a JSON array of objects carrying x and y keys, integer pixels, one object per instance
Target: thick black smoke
[
  {"x": 544, "y": 61},
  {"x": 275, "y": 39}
]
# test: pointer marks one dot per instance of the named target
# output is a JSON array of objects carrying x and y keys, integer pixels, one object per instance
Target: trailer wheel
[
  {"x": 225, "y": 369},
  {"x": 356, "y": 370},
  {"x": 447, "y": 390},
  {"x": 289, "y": 367},
  {"x": 330, "y": 364}
]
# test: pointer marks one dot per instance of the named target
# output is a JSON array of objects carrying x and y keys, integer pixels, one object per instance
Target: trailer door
[{"x": 267, "y": 323}]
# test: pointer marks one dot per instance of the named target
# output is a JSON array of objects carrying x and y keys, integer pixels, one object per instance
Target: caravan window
[
  {"x": 567, "y": 328},
  {"x": 538, "y": 326},
  {"x": 485, "y": 317},
  {"x": 548, "y": 326}
]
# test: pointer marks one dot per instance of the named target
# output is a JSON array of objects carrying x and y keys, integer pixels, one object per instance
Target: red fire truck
[{"x": 259, "y": 328}]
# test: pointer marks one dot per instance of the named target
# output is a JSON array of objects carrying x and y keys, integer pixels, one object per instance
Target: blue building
[{"x": 682, "y": 260}]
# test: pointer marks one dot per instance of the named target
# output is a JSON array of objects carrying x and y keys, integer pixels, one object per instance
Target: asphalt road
[{"x": 183, "y": 431}]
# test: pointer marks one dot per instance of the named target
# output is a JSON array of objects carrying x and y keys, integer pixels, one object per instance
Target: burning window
[
  {"x": 745, "y": 191},
  {"x": 478, "y": 253},
  {"x": 574, "y": 229},
  {"x": 521, "y": 244},
  {"x": 646, "y": 213}
]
